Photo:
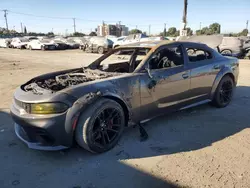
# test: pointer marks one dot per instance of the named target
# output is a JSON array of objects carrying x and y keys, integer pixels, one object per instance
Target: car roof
[{"x": 157, "y": 44}]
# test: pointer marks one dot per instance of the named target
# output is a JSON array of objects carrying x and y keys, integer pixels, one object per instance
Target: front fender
[{"x": 220, "y": 75}]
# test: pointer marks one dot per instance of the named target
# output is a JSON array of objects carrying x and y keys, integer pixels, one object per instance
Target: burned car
[{"x": 126, "y": 86}]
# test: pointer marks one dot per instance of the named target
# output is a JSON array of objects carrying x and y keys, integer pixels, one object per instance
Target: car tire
[
  {"x": 226, "y": 52},
  {"x": 91, "y": 131},
  {"x": 100, "y": 50},
  {"x": 224, "y": 92}
]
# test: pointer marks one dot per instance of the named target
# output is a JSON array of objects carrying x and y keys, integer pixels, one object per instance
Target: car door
[
  {"x": 203, "y": 70},
  {"x": 164, "y": 88}
]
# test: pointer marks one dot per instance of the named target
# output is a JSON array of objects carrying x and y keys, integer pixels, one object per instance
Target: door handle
[
  {"x": 216, "y": 66},
  {"x": 185, "y": 76}
]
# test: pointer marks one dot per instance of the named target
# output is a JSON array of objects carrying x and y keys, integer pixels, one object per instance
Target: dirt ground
[{"x": 199, "y": 147}]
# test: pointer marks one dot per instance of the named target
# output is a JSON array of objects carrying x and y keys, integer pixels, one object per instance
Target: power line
[{"x": 53, "y": 17}]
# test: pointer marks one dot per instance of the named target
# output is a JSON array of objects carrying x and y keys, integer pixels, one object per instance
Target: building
[{"x": 112, "y": 29}]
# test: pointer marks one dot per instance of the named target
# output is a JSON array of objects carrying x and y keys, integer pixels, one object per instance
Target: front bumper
[
  {"x": 43, "y": 132},
  {"x": 35, "y": 143}
]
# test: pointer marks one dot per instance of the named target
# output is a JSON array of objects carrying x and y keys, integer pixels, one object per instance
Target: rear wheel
[
  {"x": 100, "y": 50},
  {"x": 100, "y": 126},
  {"x": 224, "y": 92},
  {"x": 226, "y": 52}
]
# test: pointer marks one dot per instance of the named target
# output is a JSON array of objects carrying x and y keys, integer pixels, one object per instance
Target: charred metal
[{"x": 62, "y": 81}]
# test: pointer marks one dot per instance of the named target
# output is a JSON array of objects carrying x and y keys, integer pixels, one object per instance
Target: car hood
[{"x": 62, "y": 81}]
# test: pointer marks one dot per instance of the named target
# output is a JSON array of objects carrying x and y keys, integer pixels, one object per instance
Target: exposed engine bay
[{"x": 62, "y": 81}]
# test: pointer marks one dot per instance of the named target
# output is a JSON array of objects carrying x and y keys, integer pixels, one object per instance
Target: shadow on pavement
[{"x": 183, "y": 131}]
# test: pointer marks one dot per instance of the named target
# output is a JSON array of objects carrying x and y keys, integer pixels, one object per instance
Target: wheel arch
[
  {"x": 218, "y": 78},
  {"x": 123, "y": 105}
]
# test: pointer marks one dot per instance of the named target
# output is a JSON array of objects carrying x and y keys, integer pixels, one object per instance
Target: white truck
[{"x": 134, "y": 38}]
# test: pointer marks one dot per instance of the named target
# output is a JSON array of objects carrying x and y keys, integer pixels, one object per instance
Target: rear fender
[{"x": 220, "y": 75}]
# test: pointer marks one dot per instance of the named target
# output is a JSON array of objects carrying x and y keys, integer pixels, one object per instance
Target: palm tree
[{"x": 184, "y": 18}]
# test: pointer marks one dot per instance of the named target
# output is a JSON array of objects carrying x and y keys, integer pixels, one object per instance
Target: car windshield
[{"x": 121, "y": 60}]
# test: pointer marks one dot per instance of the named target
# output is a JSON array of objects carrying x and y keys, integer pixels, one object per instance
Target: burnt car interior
[
  {"x": 195, "y": 55},
  {"x": 113, "y": 64},
  {"x": 123, "y": 60},
  {"x": 166, "y": 58}
]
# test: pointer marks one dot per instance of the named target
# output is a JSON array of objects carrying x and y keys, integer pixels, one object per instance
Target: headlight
[{"x": 48, "y": 108}]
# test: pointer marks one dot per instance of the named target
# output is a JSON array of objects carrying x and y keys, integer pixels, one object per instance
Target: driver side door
[{"x": 165, "y": 88}]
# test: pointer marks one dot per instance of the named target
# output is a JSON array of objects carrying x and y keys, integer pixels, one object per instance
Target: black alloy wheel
[
  {"x": 100, "y": 126},
  {"x": 224, "y": 92},
  {"x": 106, "y": 127}
]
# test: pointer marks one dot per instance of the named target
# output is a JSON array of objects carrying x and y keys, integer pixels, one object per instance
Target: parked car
[
  {"x": 19, "y": 43},
  {"x": 128, "y": 85},
  {"x": 60, "y": 45},
  {"x": 5, "y": 43},
  {"x": 246, "y": 48},
  {"x": 118, "y": 41},
  {"x": 139, "y": 37},
  {"x": 44, "y": 44},
  {"x": 232, "y": 46},
  {"x": 71, "y": 43},
  {"x": 98, "y": 44}
]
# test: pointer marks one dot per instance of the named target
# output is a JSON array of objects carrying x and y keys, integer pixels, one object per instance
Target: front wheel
[
  {"x": 100, "y": 50},
  {"x": 100, "y": 126},
  {"x": 224, "y": 92},
  {"x": 226, "y": 52}
]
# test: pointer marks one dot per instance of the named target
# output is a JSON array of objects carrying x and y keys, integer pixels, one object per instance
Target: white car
[
  {"x": 4, "y": 43},
  {"x": 119, "y": 41},
  {"x": 44, "y": 44},
  {"x": 19, "y": 43},
  {"x": 139, "y": 37}
]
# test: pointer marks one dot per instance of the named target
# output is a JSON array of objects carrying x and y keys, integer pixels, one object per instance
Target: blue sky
[{"x": 231, "y": 14}]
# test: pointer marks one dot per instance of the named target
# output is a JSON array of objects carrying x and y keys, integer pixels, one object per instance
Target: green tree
[
  {"x": 214, "y": 28},
  {"x": 25, "y": 30},
  {"x": 244, "y": 32},
  {"x": 78, "y": 34},
  {"x": 189, "y": 31},
  {"x": 50, "y": 34},
  {"x": 171, "y": 32},
  {"x": 135, "y": 31},
  {"x": 93, "y": 34}
]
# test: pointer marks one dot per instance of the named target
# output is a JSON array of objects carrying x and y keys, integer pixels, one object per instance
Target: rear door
[{"x": 203, "y": 70}]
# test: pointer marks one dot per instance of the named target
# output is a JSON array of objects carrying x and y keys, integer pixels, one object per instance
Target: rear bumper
[{"x": 33, "y": 143}]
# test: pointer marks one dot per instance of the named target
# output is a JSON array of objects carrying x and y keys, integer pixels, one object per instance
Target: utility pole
[
  {"x": 6, "y": 21},
  {"x": 200, "y": 25},
  {"x": 247, "y": 25},
  {"x": 136, "y": 26},
  {"x": 149, "y": 27},
  {"x": 74, "y": 21},
  {"x": 120, "y": 29},
  {"x": 21, "y": 27},
  {"x": 165, "y": 30}
]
